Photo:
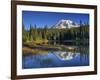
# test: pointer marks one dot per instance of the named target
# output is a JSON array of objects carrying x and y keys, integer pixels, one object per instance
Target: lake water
[{"x": 56, "y": 59}]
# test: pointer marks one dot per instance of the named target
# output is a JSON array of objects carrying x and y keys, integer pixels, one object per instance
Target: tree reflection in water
[{"x": 79, "y": 57}]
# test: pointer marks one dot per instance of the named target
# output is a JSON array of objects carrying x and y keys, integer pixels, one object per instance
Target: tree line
[{"x": 35, "y": 34}]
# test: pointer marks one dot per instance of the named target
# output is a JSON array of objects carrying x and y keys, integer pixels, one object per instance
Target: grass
[
  {"x": 39, "y": 47},
  {"x": 27, "y": 50},
  {"x": 41, "y": 41}
]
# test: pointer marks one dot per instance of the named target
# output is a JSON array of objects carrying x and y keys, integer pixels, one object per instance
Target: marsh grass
[
  {"x": 27, "y": 51},
  {"x": 33, "y": 48}
]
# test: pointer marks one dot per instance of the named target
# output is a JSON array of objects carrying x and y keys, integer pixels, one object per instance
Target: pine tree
[{"x": 30, "y": 33}]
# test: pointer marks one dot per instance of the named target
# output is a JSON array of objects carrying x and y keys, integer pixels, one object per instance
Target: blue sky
[{"x": 50, "y": 18}]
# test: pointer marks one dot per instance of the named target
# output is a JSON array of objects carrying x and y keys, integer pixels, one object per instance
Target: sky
[{"x": 40, "y": 19}]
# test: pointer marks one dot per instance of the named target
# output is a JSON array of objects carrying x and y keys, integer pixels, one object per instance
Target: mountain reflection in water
[
  {"x": 65, "y": 55},
  {"x": 56, "y": 59}
]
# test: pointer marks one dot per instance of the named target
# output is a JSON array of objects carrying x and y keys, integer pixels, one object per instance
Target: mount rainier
[{"x": 65, "y": 24}]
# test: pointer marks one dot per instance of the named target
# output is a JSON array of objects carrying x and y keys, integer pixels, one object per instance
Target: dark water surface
[{"x": 56, "y": 59}]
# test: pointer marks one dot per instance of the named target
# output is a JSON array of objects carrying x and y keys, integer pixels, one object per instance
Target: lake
[{"x": 63, "y": 58}]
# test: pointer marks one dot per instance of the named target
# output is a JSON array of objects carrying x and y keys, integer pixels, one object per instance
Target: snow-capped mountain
[{"x": 65, "y": 24}]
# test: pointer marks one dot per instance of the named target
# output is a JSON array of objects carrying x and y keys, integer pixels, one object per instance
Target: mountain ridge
[{"x": 65, "y": 23}]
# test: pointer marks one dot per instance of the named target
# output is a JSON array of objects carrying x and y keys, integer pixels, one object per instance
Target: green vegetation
[
  {"x": 37, "y": 40},
  {"x": 44, "y": 35}
]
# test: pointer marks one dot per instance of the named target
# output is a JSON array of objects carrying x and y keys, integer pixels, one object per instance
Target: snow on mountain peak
[{"x": 65, "y": 24}]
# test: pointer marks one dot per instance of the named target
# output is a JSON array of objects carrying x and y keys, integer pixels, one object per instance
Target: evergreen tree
[{"x": 30, "y": 33}]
